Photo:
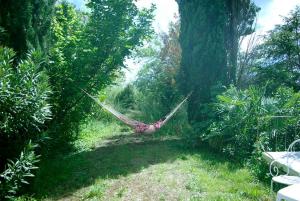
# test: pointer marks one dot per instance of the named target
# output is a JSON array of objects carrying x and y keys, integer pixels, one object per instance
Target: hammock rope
[
  {"x": 140, "y": 127},
  {"x": 169, "y": 116}
]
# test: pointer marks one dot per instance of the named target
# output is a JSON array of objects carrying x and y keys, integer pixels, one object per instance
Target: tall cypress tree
[
  {"x": 26, "y": 23},
  {"x": 203, "y": 63},
  {"x": 210, "y": 32}
]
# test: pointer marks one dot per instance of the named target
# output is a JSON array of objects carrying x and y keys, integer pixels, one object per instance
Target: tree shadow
[
  {"x": 118, "y": 156},
  {"x": 215, "y": 158}
]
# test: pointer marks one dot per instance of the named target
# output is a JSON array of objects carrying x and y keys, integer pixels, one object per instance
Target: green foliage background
[
  {"x": 88, "y": 52},
  {"x": 77, "y": 50},
  {"x": 49, "y": 52}
]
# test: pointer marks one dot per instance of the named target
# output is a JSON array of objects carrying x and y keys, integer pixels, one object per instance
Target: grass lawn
[{"x": 110, "y": 165}]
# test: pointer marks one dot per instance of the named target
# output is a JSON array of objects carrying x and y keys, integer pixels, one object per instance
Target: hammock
[{"x": 139, "y": 127}]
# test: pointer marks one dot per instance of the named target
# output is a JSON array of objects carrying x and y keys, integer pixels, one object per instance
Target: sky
[
  {"x": 166, "y": 10},
  {"x": 270, "y": 14},
  {"x": 272, "y": 11}
]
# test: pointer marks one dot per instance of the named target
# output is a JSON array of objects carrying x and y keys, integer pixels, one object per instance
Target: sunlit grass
[
  {"x": 110, "y": 166},
  {"x": 95, "y": 131}
]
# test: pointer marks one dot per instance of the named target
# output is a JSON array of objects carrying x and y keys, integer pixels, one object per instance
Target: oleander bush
[
  {"x": 18, "y": 172},
  {"x": 24, "y": 110}
]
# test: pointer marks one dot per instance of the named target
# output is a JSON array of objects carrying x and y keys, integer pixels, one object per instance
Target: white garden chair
[
  {"x": 285, "y": 179},
  {"x": 290, "y": 193}
]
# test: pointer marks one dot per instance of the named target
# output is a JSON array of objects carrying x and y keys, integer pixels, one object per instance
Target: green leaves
[
  {"x": 17, "y": 173},
  {"x": 248, "y": 117},
  {"x": 88, "y": 52},
  {"x": 23, "y": 111},
  {"x": 23, "y": 95},
  {"x": 277, "y": 59},
  {"x": 157, "y": 91},
  {"x": 26, "y": 24}
]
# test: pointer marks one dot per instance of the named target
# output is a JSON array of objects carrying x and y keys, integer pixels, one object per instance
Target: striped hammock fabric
[{"x": 140, "y": 127}]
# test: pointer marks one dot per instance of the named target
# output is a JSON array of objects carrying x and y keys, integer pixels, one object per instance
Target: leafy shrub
[
  {"x": 24, "y": 92},
  {"x": 23, "y": 101},
  {"x": 250, "y": 122},
  {"x": 16, "y": 173},
  {"x": 23, "y": 111}
]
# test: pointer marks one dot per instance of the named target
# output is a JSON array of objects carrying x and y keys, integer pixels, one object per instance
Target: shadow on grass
[
  {"x": 118, "y": 156},
  {"x": 215, "y": 158},
  {"x": 112, "y": 158}
]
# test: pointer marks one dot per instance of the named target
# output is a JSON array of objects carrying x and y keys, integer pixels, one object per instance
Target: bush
[
  {"x": 23, "y": 111},
  {"x": 17, "y": 172},
  {"x": 23, "y": 101},
  {"x": 249, "y": 122}
]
